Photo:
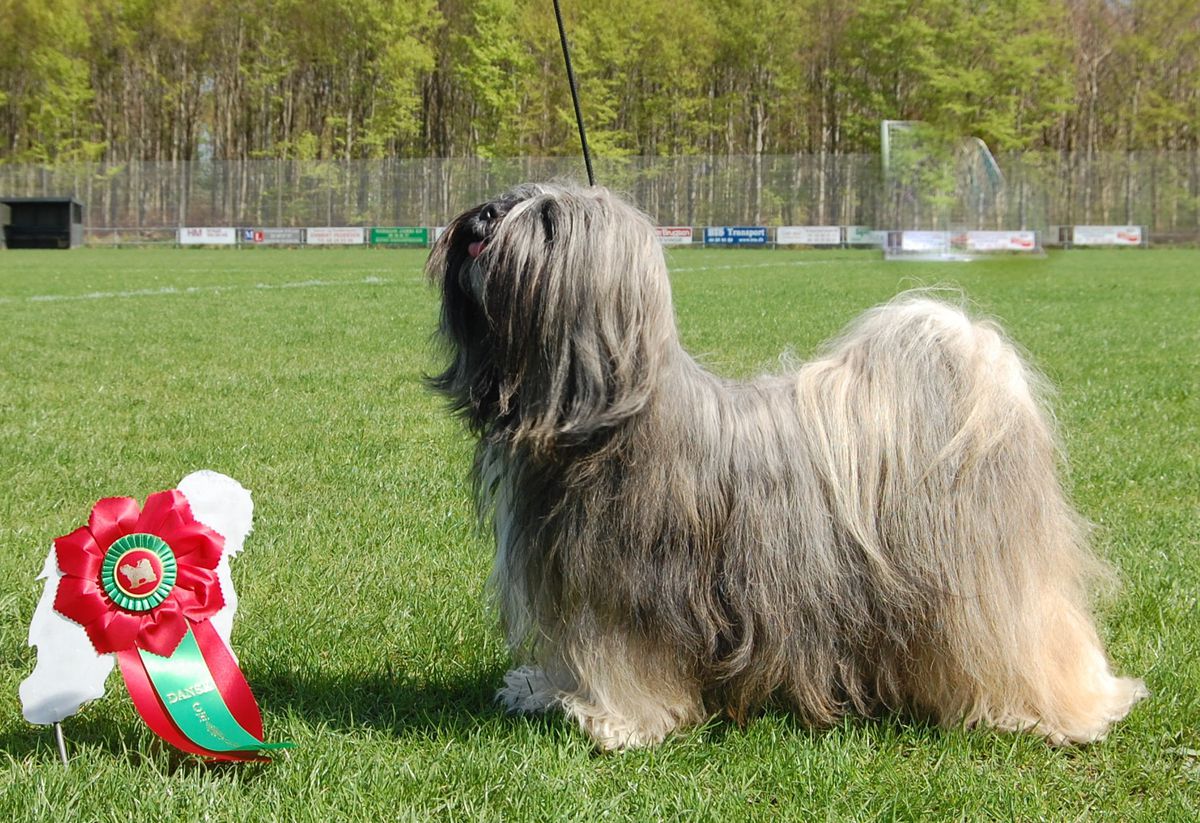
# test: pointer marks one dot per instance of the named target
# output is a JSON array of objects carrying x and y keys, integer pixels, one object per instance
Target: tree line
[{"x": 115, "y": 81}]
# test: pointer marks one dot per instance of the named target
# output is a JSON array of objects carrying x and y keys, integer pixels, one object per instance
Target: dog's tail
[{"x": 940, "y": 461}]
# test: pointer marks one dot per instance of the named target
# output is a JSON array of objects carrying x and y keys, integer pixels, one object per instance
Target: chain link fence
[{"x": 143, "y": 202}]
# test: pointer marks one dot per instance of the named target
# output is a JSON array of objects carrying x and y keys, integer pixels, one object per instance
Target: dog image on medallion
[{"x": 880, "y": 529}]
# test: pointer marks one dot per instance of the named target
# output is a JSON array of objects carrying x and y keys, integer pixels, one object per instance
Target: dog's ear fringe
[{"x": 470, "y": 381}]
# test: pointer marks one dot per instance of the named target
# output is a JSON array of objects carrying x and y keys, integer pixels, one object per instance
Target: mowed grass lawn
[{"x": 363, "y": 628}]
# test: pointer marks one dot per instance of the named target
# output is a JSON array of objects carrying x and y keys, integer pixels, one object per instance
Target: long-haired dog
[{"x": 881, "y": 528}]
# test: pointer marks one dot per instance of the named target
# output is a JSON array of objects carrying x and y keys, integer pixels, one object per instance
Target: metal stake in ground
[
  {"x": 62, "y": 744},
  {"x": 562, "y": 34}
]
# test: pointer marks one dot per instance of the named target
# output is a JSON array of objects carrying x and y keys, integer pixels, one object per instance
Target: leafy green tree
[
  {"x": 177, "y": 80},
  {"x": 45, "y": 73},
  {"x": 494, "y": 72}
]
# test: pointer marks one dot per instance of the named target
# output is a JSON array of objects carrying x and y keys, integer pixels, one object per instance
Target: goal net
[{"x": 944, "y": 196}]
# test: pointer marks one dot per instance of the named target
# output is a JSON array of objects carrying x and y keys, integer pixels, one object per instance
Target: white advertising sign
[
  {"x": 674, "y": 235},
  {"x": 808, "y": 236},
  {"x": 924, "y": 240},
  {"x": 1107, "y": 236},
  {"x": 335, "y": 236},
  {"x": 1002, "y": 241},
  {"x": 207, "y": 236}
]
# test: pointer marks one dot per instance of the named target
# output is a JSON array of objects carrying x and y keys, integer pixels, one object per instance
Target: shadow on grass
[
  {"x": 407, "y": 707},
  {"x": 91, "y": 732},
  {"x": 391, "y": 703},
  {"x": 396, "y": 703}
]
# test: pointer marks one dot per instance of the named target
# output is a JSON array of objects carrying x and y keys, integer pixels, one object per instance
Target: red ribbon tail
[
  {"x": 149, "y": 706},
  {"x": 231, "y": 683}
]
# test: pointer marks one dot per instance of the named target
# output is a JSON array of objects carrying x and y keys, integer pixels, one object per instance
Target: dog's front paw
[
  {"x": 613, "y": 733},
  {"x": 527, "y": 690}
]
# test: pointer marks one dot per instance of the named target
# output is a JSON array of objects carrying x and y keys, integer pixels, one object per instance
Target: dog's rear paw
[
  {"x": 1087, "y": 720},
  {"x": 527, "y": 690},
  {"x": 1116, "y": 699}
]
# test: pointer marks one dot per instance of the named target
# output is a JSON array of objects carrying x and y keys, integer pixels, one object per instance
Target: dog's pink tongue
[{"x": 475, "y": 248}]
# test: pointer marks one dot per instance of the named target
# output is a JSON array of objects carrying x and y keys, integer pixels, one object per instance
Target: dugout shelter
[{"x": 42, "y": 222}]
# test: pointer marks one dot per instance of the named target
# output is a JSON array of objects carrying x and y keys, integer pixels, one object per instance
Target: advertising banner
[
  {"x": 400, "y": 236},
  {"x": 273, "y": 237},
  {"x": 735, "y": 236},
  {"x": 808, "y": 236},
  {"x": 1107, "y": 236},
  {"x": 207, "y": 236},
  {"x": 864, "y": 236},
  {"x": 335, "y": 236},
  {"x": 674, "y": 235},
  {"x": 924, "y": 241},
  {"x": 1001, "y": 241}
]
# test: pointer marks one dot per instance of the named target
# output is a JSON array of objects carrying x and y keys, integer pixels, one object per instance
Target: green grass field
[{"x": 362, "y": 626}]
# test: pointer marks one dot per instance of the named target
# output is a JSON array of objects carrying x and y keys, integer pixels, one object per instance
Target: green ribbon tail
[{"x": 188, "y": 691}]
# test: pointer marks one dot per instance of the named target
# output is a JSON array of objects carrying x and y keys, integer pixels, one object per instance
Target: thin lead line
[{"x": 562, "y": 34}]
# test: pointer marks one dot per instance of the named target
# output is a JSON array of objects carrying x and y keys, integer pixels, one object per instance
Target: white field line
[
  {"x": 185, "y": 290},
  {"x": 780, "y": 264}
]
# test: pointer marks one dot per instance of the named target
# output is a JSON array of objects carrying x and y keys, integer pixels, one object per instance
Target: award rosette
[{"x": 143, "y": 583}]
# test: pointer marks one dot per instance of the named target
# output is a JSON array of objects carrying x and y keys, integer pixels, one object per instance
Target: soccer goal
[{"x": 944, "y": 197}]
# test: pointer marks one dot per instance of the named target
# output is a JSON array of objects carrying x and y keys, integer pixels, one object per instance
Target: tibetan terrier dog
[{"x": 882, "y": 528}]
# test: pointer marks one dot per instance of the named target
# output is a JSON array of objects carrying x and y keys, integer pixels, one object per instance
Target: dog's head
[{"x": 557, "y": 312}]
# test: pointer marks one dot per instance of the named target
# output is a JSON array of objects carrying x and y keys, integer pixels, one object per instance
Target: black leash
[{"x": 587, "y": 155}]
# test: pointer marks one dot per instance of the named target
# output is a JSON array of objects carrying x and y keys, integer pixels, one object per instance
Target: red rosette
[{"x": 102, "y": 601}]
